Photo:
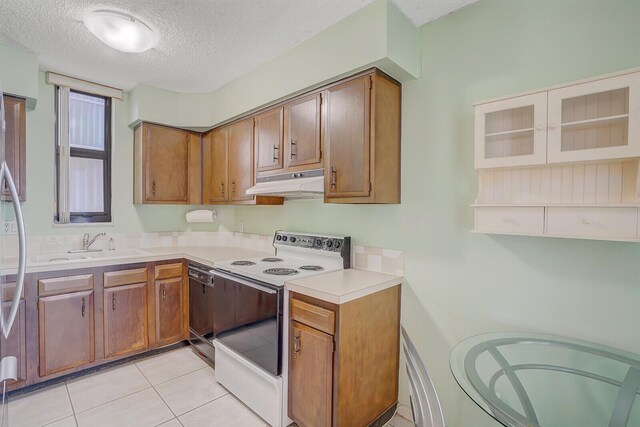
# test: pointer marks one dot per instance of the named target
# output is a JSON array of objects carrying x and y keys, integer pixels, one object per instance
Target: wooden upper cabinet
[
  {"x": 361, "y": 140},
  {"x": 240, "y": 159},
  {"x": 302, "y": 133},
  {"x": 310, "y": 376},
  {"x": 15, "y": 145},
  {"x": 269, "y": 134},
  {"x": 347, "y": 138},
  {"x": 215, "y": 161},
  {"x": 167, "y": 165},
  {"x": 66, "y": 329},
  {"x": 170, "y": 314},
  {"x": 125, "y": 319}
]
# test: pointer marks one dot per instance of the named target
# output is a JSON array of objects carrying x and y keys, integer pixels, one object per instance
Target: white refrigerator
[{"x": 12, "y": 255}]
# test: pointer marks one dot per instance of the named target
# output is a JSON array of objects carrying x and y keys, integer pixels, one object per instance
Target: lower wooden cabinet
[
  {"x": 343, "y": 359},
  {"x": 169, "y": 316},
  {"x": 15, "y": 343},
  {"x": 310, "y": 375},
  {"x": 125, "y": 319},
  {"x": 66, "y": 326}
]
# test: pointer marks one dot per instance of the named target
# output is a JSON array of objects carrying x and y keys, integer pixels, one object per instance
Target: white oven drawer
[
  {"x": 516, "y": 220},
  {"x": 593, "y": 222}
]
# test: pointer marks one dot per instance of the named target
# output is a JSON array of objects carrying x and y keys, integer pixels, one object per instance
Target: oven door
[{"x": 249, "y": 319}]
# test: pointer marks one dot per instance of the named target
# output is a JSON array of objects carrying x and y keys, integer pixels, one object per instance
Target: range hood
[{"x": 299, "y": 185}]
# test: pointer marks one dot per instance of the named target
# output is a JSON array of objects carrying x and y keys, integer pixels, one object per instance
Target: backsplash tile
[{"x": 377, "y": 259}]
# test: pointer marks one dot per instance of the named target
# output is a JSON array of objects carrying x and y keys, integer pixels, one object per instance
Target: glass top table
[{"x": 531, "y": 380}]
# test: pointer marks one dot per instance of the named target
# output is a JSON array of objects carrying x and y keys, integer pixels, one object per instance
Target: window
[{"x": 83, "y": 157}]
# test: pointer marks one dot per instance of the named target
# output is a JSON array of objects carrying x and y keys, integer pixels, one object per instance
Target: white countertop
[
  {"x": 343, "y": 286},
  {"x": 206, "y": 255}
]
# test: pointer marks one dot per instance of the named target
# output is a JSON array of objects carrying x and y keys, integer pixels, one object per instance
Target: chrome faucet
[{"x": 87, "y": 242}]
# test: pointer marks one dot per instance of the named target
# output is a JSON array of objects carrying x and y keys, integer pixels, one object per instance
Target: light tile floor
[{"x": 172, "y": 389}]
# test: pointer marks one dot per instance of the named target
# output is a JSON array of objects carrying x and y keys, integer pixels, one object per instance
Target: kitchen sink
[{"x": 78, "y": 256}]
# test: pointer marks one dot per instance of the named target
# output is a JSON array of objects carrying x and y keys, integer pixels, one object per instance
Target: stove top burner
[
  {"x": 271, "y": 259},
  {"x": 311, "y": 268},
  {"x": 281, "y": 271},
  {"x": 243, "y": 263}
]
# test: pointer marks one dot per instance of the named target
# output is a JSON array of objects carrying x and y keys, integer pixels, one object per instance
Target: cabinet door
[
  {"x": 269, "y": 134},
  {"x": 512, "y": 132},
  {"x": 15, "y": 145},
  {"x": 15, "y": 343},
  {"x": 125, "y": 319},
  {"x": 596, "y": 120},
  {"x": 310, "y": 376},
  {"x": 170, "y": 321},
  {"x": 167, "y": 164},
  {"x": 241, "y": 159},
  {"x": 302, "y": 124},
  {"x": 215, "y": 166},
  {"x": 66, "y": 332},
  {"x": 347, "y": 139}
]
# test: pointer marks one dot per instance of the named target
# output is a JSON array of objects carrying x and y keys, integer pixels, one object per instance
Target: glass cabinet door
[
  {"x": 595, "y": 121},
  {"x": 511, "y": 132}
]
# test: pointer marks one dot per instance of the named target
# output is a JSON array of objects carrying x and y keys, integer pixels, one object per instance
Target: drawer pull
[
  {"x": 587, "y": 221},
  {"x": 83, "y": 306},
  {"x": 296, "y": 345},
  {"x": 507, "y": 219}
]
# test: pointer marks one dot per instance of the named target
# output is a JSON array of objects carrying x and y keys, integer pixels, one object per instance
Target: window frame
[{"x": 105, "y": 155}]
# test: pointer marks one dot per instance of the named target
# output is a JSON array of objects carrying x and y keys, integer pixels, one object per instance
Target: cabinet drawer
[
  {"x": 593, "y": 222},
  {"x": 314, "y": 316},
  {"x": 62, "y": 285},
  {"x": 168, "y": 271},
  {"x": 125, "y": 277},
  {"x": 525, "y": 220}
]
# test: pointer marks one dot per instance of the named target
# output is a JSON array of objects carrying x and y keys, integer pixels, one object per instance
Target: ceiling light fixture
[{"x": 120, "y": 31}]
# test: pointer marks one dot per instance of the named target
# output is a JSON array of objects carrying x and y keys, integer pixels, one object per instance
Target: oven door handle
[{"x": 244, "y": 282}]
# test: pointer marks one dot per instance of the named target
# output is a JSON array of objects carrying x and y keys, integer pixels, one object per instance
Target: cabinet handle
[
  {"x": 222, "y": 188},
  {"x": 204, "y": 289},
  {"x": 113, "y": 302},
  {"x": 164, "y": 293},
  {"x": 233, "y": 186},
  {"x": 507, "y": 219},
  {"x": 153, "y": 187},
  {"x": 83, "y": 306},
  {"x": 587, "y": 221},
  {"x": 296, "y": 345},
  {"x": 334, "y": 174},
  {"x": 293, "y": 143},
  {"x": 276, "y": 154},
  {"x": 552, "y": 125}
]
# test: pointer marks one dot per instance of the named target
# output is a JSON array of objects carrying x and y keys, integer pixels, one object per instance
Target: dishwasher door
[{"x": 201, "y": 311}]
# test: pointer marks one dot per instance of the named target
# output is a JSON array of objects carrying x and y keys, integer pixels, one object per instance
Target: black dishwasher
[{"x": 201, "y": 310}]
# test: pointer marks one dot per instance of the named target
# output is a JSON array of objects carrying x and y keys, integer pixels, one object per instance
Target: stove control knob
[
  {"x": 278, "y": 237},
  {"x": 284, "y": 238},
  {"x": 337, "y": 244},
  {"x": 329, "y": 243},
  {"x": 292, "y": 239},
  {"x": 318, "y": 242}
]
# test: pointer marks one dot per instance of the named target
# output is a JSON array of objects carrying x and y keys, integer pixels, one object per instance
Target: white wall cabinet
[
  {"x": 512, "y": 132},
  {"x": 562, "y": 162},
  {"x": 595, "y": 121}
]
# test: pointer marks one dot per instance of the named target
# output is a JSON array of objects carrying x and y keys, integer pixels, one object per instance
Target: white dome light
[{"x": 120, "y": 31}]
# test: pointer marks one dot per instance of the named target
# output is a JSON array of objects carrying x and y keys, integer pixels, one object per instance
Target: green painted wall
[
  {"x": 459, "y": 284},
  {"x": 127, "y": 217},
  {"x": 19, "y": 74}
]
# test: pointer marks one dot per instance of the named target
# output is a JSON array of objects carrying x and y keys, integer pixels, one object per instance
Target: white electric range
[{"x": 249, "y": 312}]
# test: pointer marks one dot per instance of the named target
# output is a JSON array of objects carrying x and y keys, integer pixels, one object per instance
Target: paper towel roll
[{"x": 201, "y": 215}]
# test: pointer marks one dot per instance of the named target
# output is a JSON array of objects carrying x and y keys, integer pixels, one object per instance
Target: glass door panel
[{"x": 511, "y": 132}]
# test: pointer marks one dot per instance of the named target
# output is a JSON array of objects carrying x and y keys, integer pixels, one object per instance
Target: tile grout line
[
  {"x": 204, "y": 404},
  {"x": 180, "y": 376},
  {"x": 113, "y": 400}
]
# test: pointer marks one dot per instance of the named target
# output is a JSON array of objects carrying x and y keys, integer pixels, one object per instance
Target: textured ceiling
[{"x": 203, "y": 43}]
